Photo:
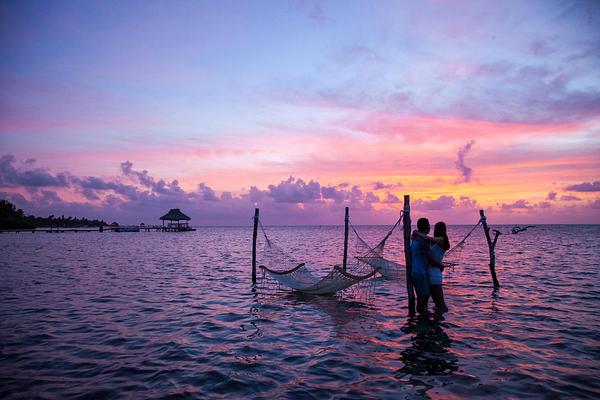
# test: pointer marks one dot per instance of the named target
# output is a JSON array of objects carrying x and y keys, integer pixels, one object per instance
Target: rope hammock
[
  {"x": 371, "y": 261},
  {"x": 300, "y": 278},
  {"x": 375, "y": 256}
]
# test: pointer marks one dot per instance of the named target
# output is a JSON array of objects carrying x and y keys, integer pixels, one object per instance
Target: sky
[{"x": 123, "y": 110}]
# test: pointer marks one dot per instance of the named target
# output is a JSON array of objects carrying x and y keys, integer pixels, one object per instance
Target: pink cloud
[{"x": 419, "y": 129}]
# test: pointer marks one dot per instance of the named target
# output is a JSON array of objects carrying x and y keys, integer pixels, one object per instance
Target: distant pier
[
  {"x": 128, "y": 228},
  {"x": 173, "y": 221}
]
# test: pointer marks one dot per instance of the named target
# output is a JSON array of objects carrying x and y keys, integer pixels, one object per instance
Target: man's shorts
[{"x": 421, "y": 284}]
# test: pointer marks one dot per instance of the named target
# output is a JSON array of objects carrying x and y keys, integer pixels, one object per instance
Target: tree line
[{"x": 12, "y": 217}]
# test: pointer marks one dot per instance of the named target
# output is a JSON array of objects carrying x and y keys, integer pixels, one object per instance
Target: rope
[
  {"x": 456, "y": 246},
  {"x": 382, "y": 242},
  {"x": 391, "y": 230},
  {"x": 262, "y": 228}
]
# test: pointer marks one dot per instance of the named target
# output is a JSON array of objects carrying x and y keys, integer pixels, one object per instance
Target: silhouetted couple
[{"x": 427, "y": 254}]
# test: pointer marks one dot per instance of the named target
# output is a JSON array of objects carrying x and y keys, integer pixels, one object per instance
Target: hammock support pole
[
  {"x": 491, "y": 246},
  {"x": 346, "y": 222},
  {"x": 407, "y": 255},
  {"x": 254, "y": 234}
]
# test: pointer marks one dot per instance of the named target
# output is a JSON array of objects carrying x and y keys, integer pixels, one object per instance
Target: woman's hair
[{"x": 439, "y": 230}]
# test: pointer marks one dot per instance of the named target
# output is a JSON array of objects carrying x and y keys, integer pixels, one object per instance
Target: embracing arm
[
  {"x": 435, "y": 240},
  {"x": 424, "y": 248},
  {"x": 432, "y": 261}
]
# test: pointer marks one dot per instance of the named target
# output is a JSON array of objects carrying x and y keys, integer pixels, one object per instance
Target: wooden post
[
  {"x": 346, "y": 222},
  {"x": 497, "y": 233},
  {"x": 491, "y": 246},
  {"x": 407, "y": 256},
  {"x": 254, "y": 233}
]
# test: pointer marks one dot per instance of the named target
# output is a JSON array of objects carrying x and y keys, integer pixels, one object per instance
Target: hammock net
[
  {"x": 464, "y": 260},
  {"x": 374, "y": 257},
  {"x": 363, "y": 263}
]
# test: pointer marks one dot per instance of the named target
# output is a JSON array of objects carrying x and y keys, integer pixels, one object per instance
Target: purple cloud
[
  {"x": 445, "y": 203},
  {"x": 255, "y": 195},
  {"x": 585, "y": 187},
  {"x": 468, "y": 202},
  {"x": 517, "y": 205},
  {"x": 441, "y": 203},
  {"x": 50, "y": 196},
  {"x": 544, "y": 204},
  {"x": 464, "y": 170},
  {"x": 295, "y": 191},
  {"x": 331, "y": 193},
  {"x": 377, "y": 185},
  {"x": 32, "y": 178},
  {"x": 515, "y": 94},
  {"x": 551, "y": 196},
  {"x": 91, "y": 187},
  {"x": 568, "y": 197},
  {"x": 371, "y": 198},
  {"x": 208, "y": 193},
  {"x": 391, "y": 199},
  {"x": 226, "y": 196},
  {"x": 148, "y": 181},
  {"x": 446, "y": 208}
]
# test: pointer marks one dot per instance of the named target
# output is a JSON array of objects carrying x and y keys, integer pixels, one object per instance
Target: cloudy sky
[{"x": 122, "y": 110}]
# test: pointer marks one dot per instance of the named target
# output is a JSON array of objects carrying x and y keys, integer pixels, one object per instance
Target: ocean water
[{"x": 157, "y": 315}]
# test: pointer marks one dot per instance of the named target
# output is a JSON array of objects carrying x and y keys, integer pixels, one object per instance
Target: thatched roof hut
[{"x": 175, "y": 215}]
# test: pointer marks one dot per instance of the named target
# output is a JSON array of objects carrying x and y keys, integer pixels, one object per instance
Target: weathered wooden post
[
  {"x": 491, "y": 246},
  {"x": 407, "y": 256},
  {"x": 254, "y": 234},
  {"x": 346, "y": 222}
]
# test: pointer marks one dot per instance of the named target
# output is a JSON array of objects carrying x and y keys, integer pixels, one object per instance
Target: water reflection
[
  {"x": 429, "y": 352},
  {"x": 494, "y": 303},
  {"x": 337, "y": 312}
]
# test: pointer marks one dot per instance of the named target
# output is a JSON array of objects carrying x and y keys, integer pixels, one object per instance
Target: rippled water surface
[{"x": 146, "y": 315}]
